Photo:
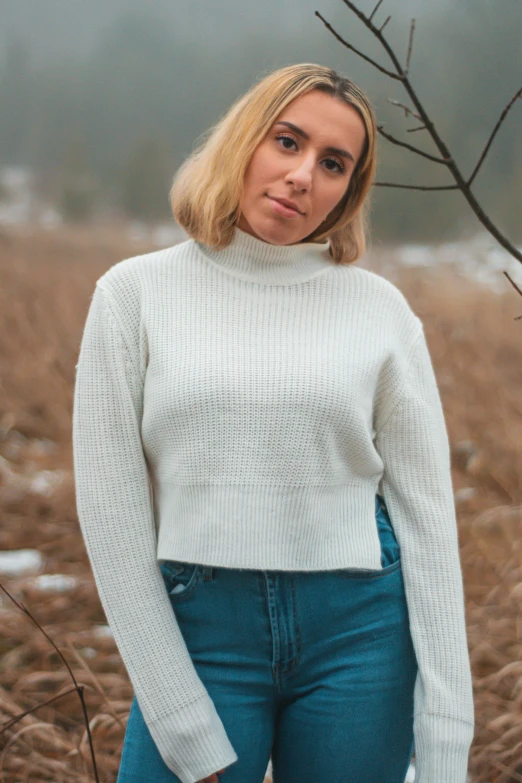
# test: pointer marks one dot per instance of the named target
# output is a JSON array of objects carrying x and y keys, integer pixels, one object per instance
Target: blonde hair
[{"x": 207, "y": 187}]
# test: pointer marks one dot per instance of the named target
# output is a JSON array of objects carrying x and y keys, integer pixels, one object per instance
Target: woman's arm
[
  {"x": 117, "y": 523},
  {"x": 417, "y": 488}
]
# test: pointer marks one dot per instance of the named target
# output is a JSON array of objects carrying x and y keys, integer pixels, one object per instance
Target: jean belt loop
[{"x": 207, "y": 573}]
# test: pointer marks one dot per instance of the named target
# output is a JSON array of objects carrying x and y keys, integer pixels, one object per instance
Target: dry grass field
[{"x": 46, "y": 280}]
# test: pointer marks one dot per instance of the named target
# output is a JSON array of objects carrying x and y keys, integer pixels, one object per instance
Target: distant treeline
[{"x": 108, "y": 130}]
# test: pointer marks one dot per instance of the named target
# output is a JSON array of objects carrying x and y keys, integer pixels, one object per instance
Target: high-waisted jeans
[{"x": 313, "y": 669}]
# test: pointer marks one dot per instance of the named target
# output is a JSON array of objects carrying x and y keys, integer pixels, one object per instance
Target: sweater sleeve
[
  {"x": 417, "y": 488},
  {"x": 117, "y": 522}
]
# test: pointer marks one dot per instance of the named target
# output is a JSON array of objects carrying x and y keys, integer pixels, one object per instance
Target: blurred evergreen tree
[
  {"x": 78, "y": 188},
  {"x": 146, "y": 178}
]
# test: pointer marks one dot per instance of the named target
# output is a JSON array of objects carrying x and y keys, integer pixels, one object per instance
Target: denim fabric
[{"x": 313, "y": 669}]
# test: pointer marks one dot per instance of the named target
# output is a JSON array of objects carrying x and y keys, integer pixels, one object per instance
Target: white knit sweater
[{"x": 267, "y": 393}]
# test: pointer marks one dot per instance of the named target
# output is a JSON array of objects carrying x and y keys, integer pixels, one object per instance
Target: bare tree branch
[
  {"x": 79, "y": 688},
  {"x": 414, "y": 130},
  {"x": 349, "y": 46},
  {"x": 407, "y": 110},
  {"x": 19, "y": 717},
  {"x": 95, "y": 681},
  {"x": 378, "y": 34},
  {"x": 515, "y": 286},
  {"x": 384, "y": 25},
  {"x": 410, "y": 46},
  {"x": 375, "y": 10},
  {"x": 495, "y": 131},
  {"x": 391, "y": 138},
  {"x": 416, "y": 187},
  {"x": 461, "y": 183}
]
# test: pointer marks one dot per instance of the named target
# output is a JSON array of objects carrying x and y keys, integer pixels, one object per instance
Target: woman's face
[{"x": 293, "y": 162}]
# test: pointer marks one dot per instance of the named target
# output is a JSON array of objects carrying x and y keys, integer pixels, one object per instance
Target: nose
[{"x": 300, "y": 176}]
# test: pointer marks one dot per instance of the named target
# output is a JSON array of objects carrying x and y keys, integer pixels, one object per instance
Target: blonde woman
[{"x": 291, "y": 586}]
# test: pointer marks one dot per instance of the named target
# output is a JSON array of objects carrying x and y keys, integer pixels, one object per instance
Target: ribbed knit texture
[{"x": 241, "y": 408}]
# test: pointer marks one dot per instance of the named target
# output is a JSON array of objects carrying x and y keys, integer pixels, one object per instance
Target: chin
[{"x": 274, "y": 234}]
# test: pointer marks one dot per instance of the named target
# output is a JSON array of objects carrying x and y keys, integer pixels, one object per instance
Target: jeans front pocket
[
  {"x": 180, "y": 578},
  {"x": 390, "y": 550}
]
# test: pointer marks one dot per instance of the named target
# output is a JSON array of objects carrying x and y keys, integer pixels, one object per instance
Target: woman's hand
[{"x": 212, "y": 778}]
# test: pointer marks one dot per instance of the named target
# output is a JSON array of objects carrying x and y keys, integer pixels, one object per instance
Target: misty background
[{"x": 101, "y": 102}]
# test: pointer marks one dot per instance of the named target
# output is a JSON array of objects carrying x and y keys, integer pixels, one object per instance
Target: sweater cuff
[
  {"x": 441, "y": 748},
  {"x": 192, "y": 741}
]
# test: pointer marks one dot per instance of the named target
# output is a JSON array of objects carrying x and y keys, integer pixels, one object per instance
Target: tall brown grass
[{"x": 46, "y": 280}]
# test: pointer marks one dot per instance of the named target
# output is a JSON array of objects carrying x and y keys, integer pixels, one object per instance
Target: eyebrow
[{"x": 304, "y": 134}]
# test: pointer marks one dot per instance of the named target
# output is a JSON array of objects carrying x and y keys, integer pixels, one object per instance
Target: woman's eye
[
  {"x": 340, "y": 167},
  {"x": 286, "y": 138}
]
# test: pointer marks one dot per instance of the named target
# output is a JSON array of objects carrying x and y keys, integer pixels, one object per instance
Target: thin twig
[
  {"x": 515, "y": 286},
  {"x": 95, "y": 681},
  {"x": 501, "y": 119},
  {"x": 391, "y": 138},
  {"x": 384, "y": 25},
  {"x": 14, "y": 720},
  {"x": 410, "y": 46},
  {"x": 78, "y": 688},
  {"x": 349, "y": 46},
  {"x": 407, "y": 110},
  {"x": 375, "y": 10},
  {"x": 416, "y": 187}
]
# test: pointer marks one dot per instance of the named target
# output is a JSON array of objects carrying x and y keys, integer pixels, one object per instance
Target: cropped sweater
[{"x": 241, "y": 408}]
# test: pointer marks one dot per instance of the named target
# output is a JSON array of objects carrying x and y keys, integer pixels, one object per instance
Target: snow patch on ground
[
  {"x": 55, "y": 583},
  {"x": 20, "y": 562}
]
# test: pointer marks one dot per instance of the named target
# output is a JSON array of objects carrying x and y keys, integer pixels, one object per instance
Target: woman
[{"x": 280, "y": 400}]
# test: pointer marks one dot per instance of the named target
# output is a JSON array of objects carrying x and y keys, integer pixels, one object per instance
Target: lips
[{"x": 286, "y": 203}]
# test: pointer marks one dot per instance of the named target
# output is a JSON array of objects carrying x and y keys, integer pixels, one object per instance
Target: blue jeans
[{"x": 313, "y": 669}]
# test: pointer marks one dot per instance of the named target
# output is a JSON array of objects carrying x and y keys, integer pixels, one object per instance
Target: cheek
[
  {"x": 339, "y": 194},
  {"x": 328, "y": 199},
  {"x": 251, "y": 179},
  {"x": 261, "y": 168}
]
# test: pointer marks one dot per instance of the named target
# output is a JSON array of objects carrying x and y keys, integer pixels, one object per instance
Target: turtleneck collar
[{"x": 252, "y": 259}]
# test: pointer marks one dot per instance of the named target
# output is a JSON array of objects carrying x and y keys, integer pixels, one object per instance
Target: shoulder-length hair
[{"x": 207, "y": 188}]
